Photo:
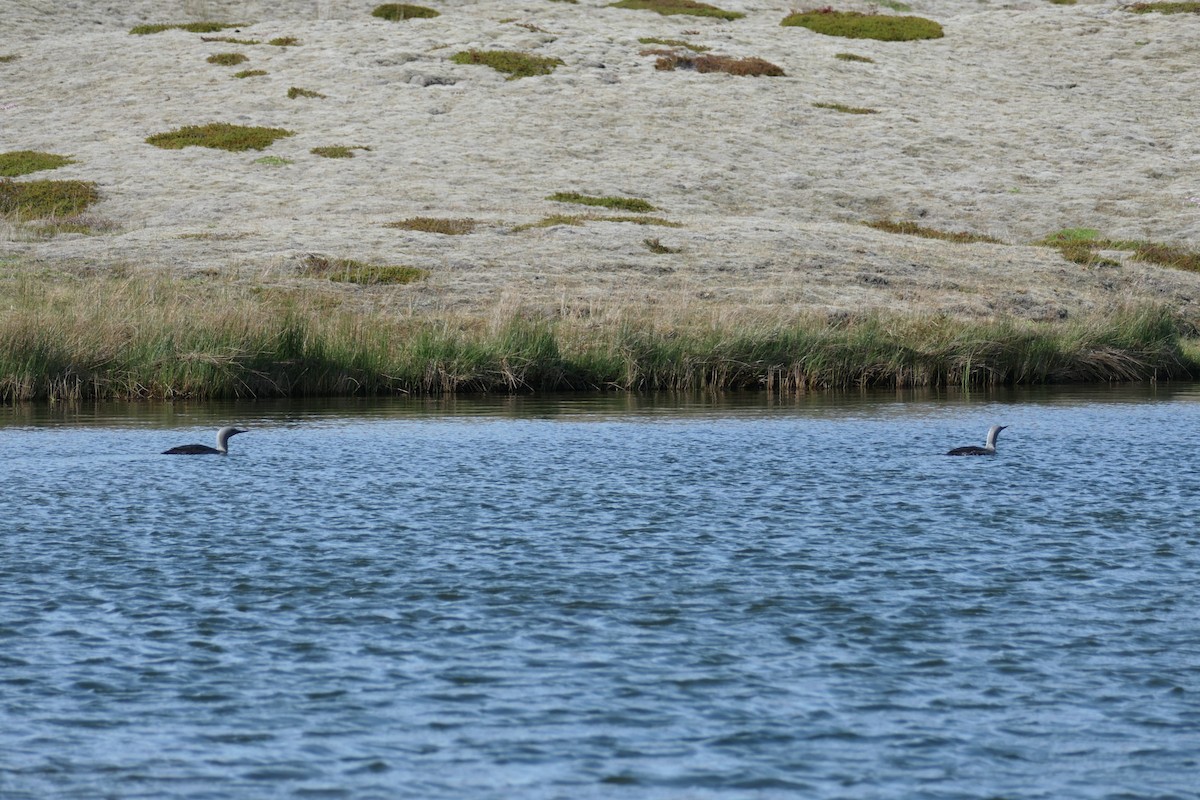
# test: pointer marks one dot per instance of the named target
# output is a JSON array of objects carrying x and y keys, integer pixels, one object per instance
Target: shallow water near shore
[{"x": 603, "y": 597}]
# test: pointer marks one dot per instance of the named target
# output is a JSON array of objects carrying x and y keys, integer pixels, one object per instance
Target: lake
[{"x": 605, "y": 597}]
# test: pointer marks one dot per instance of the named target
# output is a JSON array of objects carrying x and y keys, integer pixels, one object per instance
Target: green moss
[
  {"x": 219, "y": 135},
  {"x": 347, "y": 270},
  {"x": 517, "y": 65},
  {"x": 296, "y": 91},
  {"x": 894, "y": 6},
  {"x": 913, "y": 229},
  {"x": 273, "y": 161},
  {"x": 7, "y": 58},
  {"x": 1164, "y": 8},
  {"x": 448, "y": 227},
  {"x": 845, "y": 109},
  {"x": 1062, "y": 2},
  {"x": 695, "y": 48},
  {"x": 619, "y": 203},
  {"x": 856, "y": 25},
  {"x": 229, "y": 40},
  {"x": 853, "y": 57},
  {"x": 250, "y": 73},
  {"x": 690, "y": 7},
  {"x": 227, "y": 59},
  {"x": 397, "y": 12},
  {"x": 190, "y": 27},
  {"x": 23, "y": 162},
  {"x": 284, "y": 41},
  {"x": 41, "y": 199}
]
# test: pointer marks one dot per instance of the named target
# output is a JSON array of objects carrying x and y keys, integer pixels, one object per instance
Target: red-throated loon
[
  {"x": 988, "y": 449},
  {"x": 202, "y": 449}
]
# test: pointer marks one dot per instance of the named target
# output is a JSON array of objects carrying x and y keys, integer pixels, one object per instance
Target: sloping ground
[{"x": 1025, "y": 118}]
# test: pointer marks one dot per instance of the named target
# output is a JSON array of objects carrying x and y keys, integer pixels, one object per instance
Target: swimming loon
[
  {"x": 202, "y": 449},
  {"x": 988, "y": 449}
]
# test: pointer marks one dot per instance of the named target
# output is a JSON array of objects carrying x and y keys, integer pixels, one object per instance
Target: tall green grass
[{"x": 74, "y": 336}]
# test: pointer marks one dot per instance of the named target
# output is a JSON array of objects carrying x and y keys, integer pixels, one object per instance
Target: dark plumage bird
[
  {"x": 988, "y": 449},
  {"x": 204, "y": 450}
]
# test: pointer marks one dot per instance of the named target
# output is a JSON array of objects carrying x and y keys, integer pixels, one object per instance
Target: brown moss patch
[
  {"x": 913, "y": 229},
  {"x": 446, "y": 227},
  {"x": 753, "y": 67}
]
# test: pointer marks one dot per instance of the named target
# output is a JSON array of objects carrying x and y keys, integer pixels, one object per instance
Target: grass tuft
[
  {"x": 23, "y": 162},
  {"x": 218, "y": 135},
  {"x": 446, "y": 227},
  {"x": 856, "y": 25},
  {"x": 347, "y": 270},
  {"x": 516, "y": 64},
  {"x": 296, "y": 91},
  {"x": 621, "y": 203},
  {"x": 668, "y": 7},
  {"x": 913, "y": 229},
  {"x": 227, "y": 59},
  {"x": 397, "y": 12},
  {"x": 25, "y": 200}
]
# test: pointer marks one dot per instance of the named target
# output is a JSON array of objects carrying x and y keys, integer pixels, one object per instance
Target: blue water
[{"x": 605, "y": 599}]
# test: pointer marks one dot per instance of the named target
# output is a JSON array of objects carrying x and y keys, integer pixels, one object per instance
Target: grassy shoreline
[{"x": 78, "y": 335}]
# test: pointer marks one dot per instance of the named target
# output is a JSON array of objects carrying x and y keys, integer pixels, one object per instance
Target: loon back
[
  {"x": 204, "y": 450},
  {"x": 988, "y": 449}
]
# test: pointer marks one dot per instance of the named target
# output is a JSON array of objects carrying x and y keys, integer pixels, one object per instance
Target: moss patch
[
  {"x": 7, "y": 58},
  {"x": 41, "y": 199},
  {"x": 853, "y": 57},
  {"x": 273, "y": 161},
  {"x": 250, "y": 73},
  {"x": 23, "y": 162},
  {"x": 516, "y": 64},
  {"x": 227, "y": 59},
  {"x": 284, "y": 41},
  {"x": 219, "y": 135},
  {"x": 397, "y": 12},
  {"x": 1164, "y": 8},
  {"x": 619, "y": 203},
  {"x": 190, "y": 27},
  {"x": 690, "y": 7},
  {"x": 856, "y": 25},
  {"x": 229, "y": 40},
  {"x": 709, "y": 63},
  {"x": 296, "y": 91},
  {"x": 913, "y": 229},
  {"x": 580, "y": 219},
  {"x": 335, "y": 151},
  {"x": 447, "y": 227},
  {"x": 347, "y": 270}
]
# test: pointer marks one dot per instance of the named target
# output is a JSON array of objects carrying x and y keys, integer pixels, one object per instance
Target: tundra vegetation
[
  {"x": 1164, "y": 8},
  {"x": 219, "y": 135},
  {"x": 138, "y": 334},
  {"x": 446, "y": 227},
  {"x": 227, "y": 59},
  {"x": 634, "y": 204},
  {"x": 22, "y": 162},
  {"x": 190, "y": 27},
  {"x": 515, "y": 64},
  {"x": 753, "y": 67},
  {"x": 398, "y": 12}
]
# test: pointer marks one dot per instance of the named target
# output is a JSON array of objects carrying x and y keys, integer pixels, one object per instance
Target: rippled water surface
[{"x": 605, "y": 599}]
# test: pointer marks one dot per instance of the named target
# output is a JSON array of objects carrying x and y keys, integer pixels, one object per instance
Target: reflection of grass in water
[{"x": 155, "y": 334}]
